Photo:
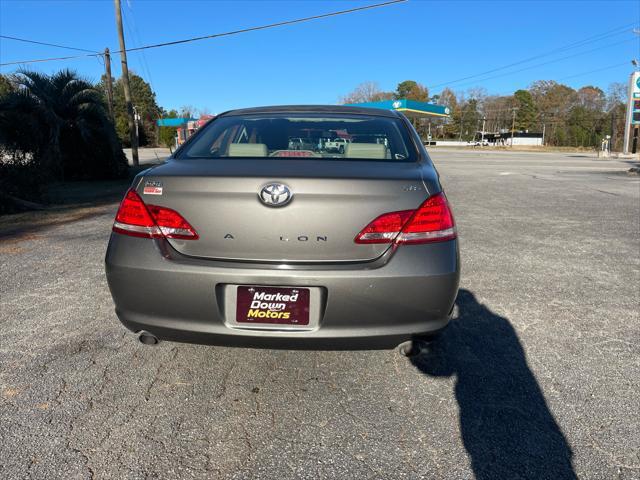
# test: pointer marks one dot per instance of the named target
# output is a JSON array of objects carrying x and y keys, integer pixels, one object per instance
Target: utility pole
[
  {"x": 136, "y": 119},
  {"x": 627, "y": 121},
  {"x": 125, "y": 84},
  {"x": 484, "y": 119},
  {"x": 107, "y": 68},
  {"x": 613, "y": 130},
  {"x": 513, "y": 126}
]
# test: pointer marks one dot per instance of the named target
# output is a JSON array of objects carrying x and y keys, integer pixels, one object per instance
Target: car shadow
[{"x": 505, "y": 423}]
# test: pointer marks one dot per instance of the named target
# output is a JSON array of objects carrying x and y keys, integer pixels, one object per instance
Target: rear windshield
[{"x": 304, "y": 135}]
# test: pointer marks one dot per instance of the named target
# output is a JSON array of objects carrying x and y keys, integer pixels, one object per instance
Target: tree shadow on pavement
[{"x": 506, "y": 425}]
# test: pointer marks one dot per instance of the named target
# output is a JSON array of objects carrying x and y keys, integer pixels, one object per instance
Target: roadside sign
[
  {"x": 635, "y": 99},
  {"x": 632, "y": 120}
]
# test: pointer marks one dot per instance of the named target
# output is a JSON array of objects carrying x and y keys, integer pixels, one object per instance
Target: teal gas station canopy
[
  {"x": 173, "y": 122},
  {"x": 410, "y": 108}
]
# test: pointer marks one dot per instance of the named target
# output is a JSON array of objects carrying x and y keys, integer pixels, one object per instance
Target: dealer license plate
[{"x": 272, "y": 305}]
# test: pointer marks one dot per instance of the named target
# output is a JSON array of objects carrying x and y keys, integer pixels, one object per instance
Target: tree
[
  {"x": 366, "y": 92},
  {"x": 554, "y": 101},
  {"x": 61, "y": 121},
  {"x": 144, "y": 99},
  {"x": 6, "y": 86},
  {"x": 526, "y": 112},
  {"x": 586, "y": 119},
  {"x": 188, "y": 111},
  {"x": 580, "y": 117},
  {"x": 479, "y": 94},
  {"x": 470, "y": 119},
  {"x": 583, "y": 128},
  {"x": 591, "y": 98},
  {"x": 616, "y": 95},
  {"x": 498, "y": 112},
  {"x": 447, "y": 126},
  {"x": 447, "y": 98},
  {"x": 616, "y": 109},
  {"x": 552, "y": 98},
  {"x": 411, "y": 90}
]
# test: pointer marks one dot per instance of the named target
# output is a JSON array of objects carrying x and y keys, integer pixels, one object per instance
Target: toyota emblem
[{"x": 275, "y": 195}]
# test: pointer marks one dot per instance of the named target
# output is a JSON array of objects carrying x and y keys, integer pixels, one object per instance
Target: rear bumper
[{"x": 405, "y": 294}]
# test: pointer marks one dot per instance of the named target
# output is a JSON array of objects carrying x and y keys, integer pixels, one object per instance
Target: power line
[
  {"x": 51, "y": 59},
  {"x": 136, "y": 32},
  {"x": 133, "y": 34},
  {"x": 596, "y": 70},
  {"x": 272, "y": 25},
  {"x": 47, "y": 44},
  {"x": 546, "y": 63},
  {"x": 580, "y": 43},
  {"x": 130, "y": 24},
  {"x": 225, "y": 34}
]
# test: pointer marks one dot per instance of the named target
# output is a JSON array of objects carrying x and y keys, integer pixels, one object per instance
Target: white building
[{"x": 528, "y": 139}]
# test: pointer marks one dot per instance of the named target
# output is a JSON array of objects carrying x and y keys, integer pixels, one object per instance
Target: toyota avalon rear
[{"x": 255, "y": 234}]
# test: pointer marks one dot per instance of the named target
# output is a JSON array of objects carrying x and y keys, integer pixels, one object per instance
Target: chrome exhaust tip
[
  {"x": 147, "y": 338},
  {"x": 414, "y": 348}
]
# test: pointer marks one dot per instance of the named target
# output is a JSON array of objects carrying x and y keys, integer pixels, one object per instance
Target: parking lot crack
[
  {"x": 615, "y": 459},
  {"x": 223, "y": 383},
  {"x": 78, "y": 451},
  {"x": 60, "y": 392},
  {"x": 172, "y": 355}
]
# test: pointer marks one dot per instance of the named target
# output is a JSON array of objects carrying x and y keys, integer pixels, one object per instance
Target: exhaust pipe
[
  {"x": 147, "y": 338},
  {"x": 414, "y": 348},
  {"x": 409, "y": 349}
]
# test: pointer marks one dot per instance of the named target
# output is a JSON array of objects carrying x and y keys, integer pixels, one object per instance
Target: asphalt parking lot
[{"x": 537, "y": 377}]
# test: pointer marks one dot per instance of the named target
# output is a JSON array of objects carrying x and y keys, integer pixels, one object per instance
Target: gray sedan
[{"x": 240, "y": 240}]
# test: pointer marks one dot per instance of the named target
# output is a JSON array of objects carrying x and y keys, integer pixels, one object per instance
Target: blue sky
[{"x": 432, "y": 42}]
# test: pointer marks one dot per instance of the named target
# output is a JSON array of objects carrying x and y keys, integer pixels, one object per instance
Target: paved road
[
  {"x": 537, "y": 377},
  {"x": 148, "y": 156}
]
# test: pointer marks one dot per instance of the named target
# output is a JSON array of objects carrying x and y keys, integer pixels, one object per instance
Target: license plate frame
[{"x": 303, "y": 318}]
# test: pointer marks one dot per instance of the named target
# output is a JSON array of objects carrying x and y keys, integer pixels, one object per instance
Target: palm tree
[{"x": 62, "y": 121}]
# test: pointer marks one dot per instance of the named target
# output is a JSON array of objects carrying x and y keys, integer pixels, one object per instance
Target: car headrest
[
  {"x": 366, "y": 150},
  {"x": 247, "y": 150}
]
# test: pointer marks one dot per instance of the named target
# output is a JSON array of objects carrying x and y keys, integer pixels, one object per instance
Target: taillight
[
  {"x": 385, "y": 228},
  {"x": 431, "y": 222},
  {"x": 150, "y": 221}
]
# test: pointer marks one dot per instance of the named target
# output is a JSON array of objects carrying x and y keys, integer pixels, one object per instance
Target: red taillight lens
[
  {"x": 172, "y": 224},
  {"x": 431, "y": 222},
  {"x": 150, "y": 221},
  {"x": 385, "y": 228},
  {"x": 134, "y": 219}
]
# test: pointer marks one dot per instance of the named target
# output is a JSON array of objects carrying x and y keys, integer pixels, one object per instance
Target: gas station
[
  {"x": 185, "y": 127},
  {"x": 410, "y": 108}
]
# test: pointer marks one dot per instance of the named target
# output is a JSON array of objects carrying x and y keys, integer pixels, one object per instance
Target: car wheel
[{"x": 341, "y": 149}]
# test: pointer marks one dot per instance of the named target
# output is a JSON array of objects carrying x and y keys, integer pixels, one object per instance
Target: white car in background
[{"x": 336, "y": 145}]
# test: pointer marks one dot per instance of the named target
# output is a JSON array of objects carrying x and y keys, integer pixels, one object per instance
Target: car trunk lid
[{"x": 331, "y": 202}]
